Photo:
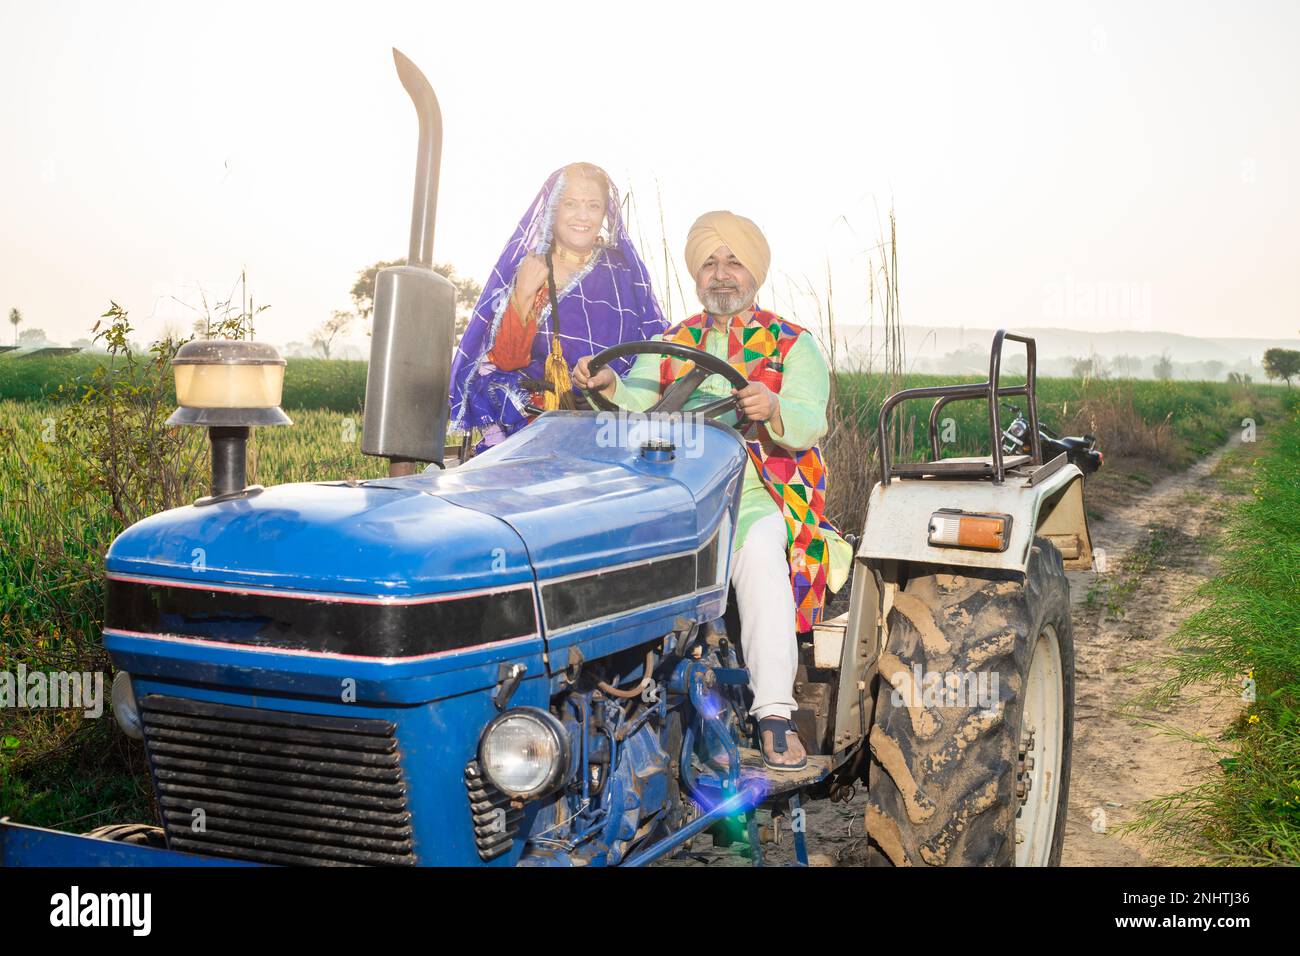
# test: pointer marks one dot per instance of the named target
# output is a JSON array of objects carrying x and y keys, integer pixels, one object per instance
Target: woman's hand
[
  {"x": 603, "y": 381},
  {"x": 529, "y": 276}
]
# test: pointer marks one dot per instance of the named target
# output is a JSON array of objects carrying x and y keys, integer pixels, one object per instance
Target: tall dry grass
[
  {"x": 1113, "y": 414},
  {"x": 850, "y": 445}
]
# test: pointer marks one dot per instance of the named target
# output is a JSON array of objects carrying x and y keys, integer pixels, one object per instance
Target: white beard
[{"x": 724, "y": 303}]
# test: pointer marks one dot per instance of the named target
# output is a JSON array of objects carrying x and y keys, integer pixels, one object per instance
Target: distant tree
[
  {"x": 970, "y": 358},
  {"x": 1213, "y": 369},
  {"x": 1282, "y": 363},
  {"x": 33, "y": 338},
  {"x": 1094, "y": 366},
  {"x": 323, "y": 337},
  {"x": 15, "y": 317},
  {"x": 363, "y": 290},
  {"x": 467, "y": 290},
  {"x": 1126, "y": 366},
  {"x": 1163, "y": 367},
  {"x": 82, "y": 344}
]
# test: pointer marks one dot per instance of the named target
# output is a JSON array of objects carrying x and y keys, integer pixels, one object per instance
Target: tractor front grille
[
  {"x": 496, "y": 819},
  {"x": 273, "y": 787}
]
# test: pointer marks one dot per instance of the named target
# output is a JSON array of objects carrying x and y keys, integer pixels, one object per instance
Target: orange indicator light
[{"x": 962, "y": 529}]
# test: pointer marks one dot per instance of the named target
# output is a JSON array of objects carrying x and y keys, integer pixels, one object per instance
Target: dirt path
[
  {"x": 1155, "y": 556},
  {"x": 1153, "y": 535}
]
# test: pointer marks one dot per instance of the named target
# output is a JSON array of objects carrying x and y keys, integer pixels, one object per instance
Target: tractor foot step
[{"x": 781, "y": 781}]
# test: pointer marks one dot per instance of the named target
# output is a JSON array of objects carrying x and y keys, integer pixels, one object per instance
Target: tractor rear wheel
[{"x": 970, "y": 747}]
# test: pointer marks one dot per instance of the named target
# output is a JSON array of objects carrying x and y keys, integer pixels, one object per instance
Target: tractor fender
[{"x": 898, "y": 518}]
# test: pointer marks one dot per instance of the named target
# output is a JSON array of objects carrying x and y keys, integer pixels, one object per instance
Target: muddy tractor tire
[{"x": 972, "y": 767}]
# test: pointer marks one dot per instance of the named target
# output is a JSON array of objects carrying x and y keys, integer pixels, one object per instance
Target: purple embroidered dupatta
[{"x": 607, "y": 302}]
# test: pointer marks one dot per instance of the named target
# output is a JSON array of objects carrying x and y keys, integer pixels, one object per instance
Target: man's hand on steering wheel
[
  {"x": 758, "y": 402},
  {"x": 593, "y": 374}
]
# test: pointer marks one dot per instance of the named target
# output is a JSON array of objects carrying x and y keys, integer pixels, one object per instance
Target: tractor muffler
[{"x": 413, "y": 332}]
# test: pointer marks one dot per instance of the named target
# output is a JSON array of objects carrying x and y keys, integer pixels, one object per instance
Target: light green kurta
[{"x": 805, "y": 392}]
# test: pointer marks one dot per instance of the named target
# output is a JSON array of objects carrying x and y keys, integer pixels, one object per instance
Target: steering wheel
[{"x": 679, "y": 392}]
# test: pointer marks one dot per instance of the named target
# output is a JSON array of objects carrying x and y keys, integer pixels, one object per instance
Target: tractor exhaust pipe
[
  {"x": 428, "y": 161},
  {"x": 413, "y": 330}
]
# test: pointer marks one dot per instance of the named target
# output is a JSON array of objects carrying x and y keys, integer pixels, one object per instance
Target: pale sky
[{"x": 1088, "y": 165}]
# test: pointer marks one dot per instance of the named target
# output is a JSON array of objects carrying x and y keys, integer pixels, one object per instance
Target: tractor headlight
[
  {"x": 124, "y": 707},
  {"x": 524, "y": 752}
]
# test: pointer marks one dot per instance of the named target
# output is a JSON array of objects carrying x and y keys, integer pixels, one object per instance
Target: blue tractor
[{"x": 524, "y": 657}]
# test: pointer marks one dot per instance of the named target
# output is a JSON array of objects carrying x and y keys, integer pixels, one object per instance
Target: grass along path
[{"x": 1244, "y": 638}]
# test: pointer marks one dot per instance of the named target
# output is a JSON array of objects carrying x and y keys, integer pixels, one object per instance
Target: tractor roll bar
[{"x": 990, "y": 391}]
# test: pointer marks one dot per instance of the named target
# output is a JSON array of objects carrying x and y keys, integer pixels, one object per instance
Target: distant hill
[{"x": 953, "y": 350}]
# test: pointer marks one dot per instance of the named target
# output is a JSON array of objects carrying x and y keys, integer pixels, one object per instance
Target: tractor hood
[
  {"x": 557, "y": 500},
  {"x": 333, "y": 538}
]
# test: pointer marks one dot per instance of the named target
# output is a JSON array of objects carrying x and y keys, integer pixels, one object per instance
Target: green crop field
[
  {"x": 1194, "y": 416},
  {"x": 320, "y": 444},
  {"x": 334, "y": 384},
  {"x": 1197, "y": 412}
]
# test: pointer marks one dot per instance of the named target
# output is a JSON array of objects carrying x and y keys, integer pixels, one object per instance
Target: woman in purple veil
[{"x": 514, "y": 353}]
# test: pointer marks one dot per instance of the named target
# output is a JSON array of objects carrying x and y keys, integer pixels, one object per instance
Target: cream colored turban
[{"x": 740, "y": 235}]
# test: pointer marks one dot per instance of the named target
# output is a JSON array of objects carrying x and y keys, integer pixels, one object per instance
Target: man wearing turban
[{"x": 786, "y": 554}]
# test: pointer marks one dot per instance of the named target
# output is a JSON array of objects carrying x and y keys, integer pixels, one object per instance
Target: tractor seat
[{"x": 981, "y": 467}]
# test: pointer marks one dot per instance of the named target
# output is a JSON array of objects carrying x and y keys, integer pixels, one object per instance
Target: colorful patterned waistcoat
[{"x": 757, "y": 344}]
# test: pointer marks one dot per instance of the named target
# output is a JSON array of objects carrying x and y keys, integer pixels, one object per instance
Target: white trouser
[{"x": 760, "y": 573}]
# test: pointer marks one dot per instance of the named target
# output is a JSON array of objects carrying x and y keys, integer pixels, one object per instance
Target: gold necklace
[{"x": 570, "y": 257}]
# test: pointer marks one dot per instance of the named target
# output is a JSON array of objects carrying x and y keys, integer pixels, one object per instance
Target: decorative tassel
[
  {"x": 557, "y": 369},
  {"x": 557, "y": 374}
]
